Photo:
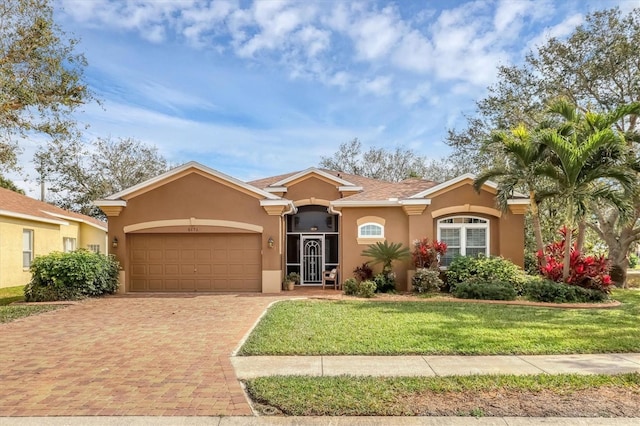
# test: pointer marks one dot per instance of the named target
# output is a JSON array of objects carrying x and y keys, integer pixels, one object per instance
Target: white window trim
[
  {"x": 72, "y": 241},
  {"x": 31, "y": 247},
  {"x": 377, "y": 225},
  {"x": 370, "y": 239},
  {"x": 463, "y": 235}
]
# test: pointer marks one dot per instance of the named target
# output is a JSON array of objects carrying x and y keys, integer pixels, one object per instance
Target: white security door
[{"x": 312, "y": 257}]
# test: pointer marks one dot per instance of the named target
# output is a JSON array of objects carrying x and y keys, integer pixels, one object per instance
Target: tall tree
[
  {"x": 597, "y": 66},
  {"x": 590, "y": 162},
  {"x": 524, "y": 158},
  {"x": 379, "y": 163},
  {"x": 79, "y": 173},
  {"x": 40, "y": 76}
]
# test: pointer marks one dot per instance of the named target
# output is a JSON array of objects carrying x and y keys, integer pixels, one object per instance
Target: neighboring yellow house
[{"x": 29, "y": 228}]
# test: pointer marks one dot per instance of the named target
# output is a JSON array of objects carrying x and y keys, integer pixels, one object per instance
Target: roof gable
[
  {"x": 311, "y": 172},
  {"x": 186, "y": 169}
]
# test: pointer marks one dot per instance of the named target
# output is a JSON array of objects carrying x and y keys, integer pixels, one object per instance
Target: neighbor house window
[
  {"x": 464, "y": 235},
  {"x": 370, "y": 230},
  {"x": 94, "y": 248},
  {"x": 69, "y": 244},
  {"x": 27, "y": 247}
]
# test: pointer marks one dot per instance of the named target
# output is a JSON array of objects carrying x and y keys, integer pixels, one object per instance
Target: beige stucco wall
[
  {"x": 395, "y": 231},
  {"x": 196, "y": 196}
]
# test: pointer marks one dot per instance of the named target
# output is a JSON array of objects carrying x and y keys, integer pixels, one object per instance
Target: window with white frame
[
  {"x": 94, "y": 248},
  {"x": 27, "y": 247},
  {"x": 69, "y": 244},
  {"x": 370, "y": 230},
  {"x": 464, "y": 235}
]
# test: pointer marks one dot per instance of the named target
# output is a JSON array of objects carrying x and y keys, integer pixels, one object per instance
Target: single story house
[
  {"x": 196, "y": 229},
  {"x": 29, "y": 228}
]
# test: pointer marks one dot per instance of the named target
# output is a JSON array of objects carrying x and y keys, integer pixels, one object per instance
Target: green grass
[
  {"x": 9, "y": 295},
  {"x": 397, "y": 328},
  {"x": 384, "y": 396}
]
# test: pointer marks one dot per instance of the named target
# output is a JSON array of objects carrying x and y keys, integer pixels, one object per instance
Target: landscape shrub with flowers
[
  {"x": 590, "y": 272},
  {"x": 427, "y": 254}
]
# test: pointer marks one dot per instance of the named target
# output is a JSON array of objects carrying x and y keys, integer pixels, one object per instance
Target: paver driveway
[{"x": 144, "y": 355}]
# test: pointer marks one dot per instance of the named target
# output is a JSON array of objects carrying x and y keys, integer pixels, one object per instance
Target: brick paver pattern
[{"x": 130, "y": 355}]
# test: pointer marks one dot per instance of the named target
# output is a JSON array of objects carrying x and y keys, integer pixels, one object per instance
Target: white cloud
[
  {"x": 560, "y": 30},
  {"x": 379, "y": 86},
  {"x": 375, "y": 34}
]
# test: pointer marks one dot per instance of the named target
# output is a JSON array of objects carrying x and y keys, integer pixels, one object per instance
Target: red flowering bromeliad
[
  {"x": 427, "y": 254},
  {"x": 584, "y": 271}
]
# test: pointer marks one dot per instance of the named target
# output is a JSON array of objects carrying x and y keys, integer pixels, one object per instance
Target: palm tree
[
  {"x": 524, "y": 159},
  {"x": 386, "y": 253},
  {"x": 589, "y": 163}
]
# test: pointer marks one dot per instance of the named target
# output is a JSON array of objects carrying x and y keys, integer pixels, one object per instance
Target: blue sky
[{"x": 259, "y": 88}]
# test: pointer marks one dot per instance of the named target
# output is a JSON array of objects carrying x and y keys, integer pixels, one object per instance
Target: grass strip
[
  {"x": 384, "y": 396},
  {"x": 315, "y": 327},
  {"x": 12, "y": 313},
  {"x": 9, "y": 295}
]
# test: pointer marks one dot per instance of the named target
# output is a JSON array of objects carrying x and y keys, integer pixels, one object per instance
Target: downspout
[{"x": 340, "y": 259}]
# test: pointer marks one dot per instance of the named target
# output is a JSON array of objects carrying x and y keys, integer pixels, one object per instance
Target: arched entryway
[{"x": 312, "y": 243}]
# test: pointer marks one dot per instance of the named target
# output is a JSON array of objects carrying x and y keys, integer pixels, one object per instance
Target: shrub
[
  {"x": 531, "y": 263},
  {"x": 487, "y": 269},
  {"x": 485, "y": 290},
  {"x": 544, "y": 290},
  {"x": 71, "y": 276},
  {"x": 426, "y": 254},
  {"x": 633, "y": 261},
  {"x": 363, "y": 273},
  {"x": 584, "y": 271},
  {"x": 426, "y": 280},
  {"x": 385, "y": 283},
  {"x": 350, "y": 286},
  {"x": 353, "y": 287}
]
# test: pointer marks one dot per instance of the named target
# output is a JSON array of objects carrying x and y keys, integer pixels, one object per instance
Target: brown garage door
[{"x": 195, "y": 262}]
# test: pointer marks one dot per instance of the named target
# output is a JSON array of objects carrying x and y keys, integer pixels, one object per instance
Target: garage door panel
[
  {"x": 204, "y": 269},
  {"x": 195, "y": 262},
  {"x": 173, "y": 254},
  {"x": 171, "y": 269}
]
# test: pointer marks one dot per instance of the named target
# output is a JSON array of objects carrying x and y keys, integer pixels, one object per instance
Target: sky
[{"x": 260, "y": 88}]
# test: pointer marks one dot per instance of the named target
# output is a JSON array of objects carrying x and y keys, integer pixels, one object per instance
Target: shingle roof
[
  {"x": 399, "y": 190},
  {"x": 12, "y": 202},
  {"x": 372, "y": 189}
]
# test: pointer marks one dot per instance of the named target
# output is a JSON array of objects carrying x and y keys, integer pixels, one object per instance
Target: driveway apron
[{"x": 130, "y": 355}]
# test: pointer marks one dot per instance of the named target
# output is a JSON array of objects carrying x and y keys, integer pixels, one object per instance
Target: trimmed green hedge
[
  {"x": 542, "y": 290},
  {"x": 485, "y": 290},
  {"x": 71, "y": 276}
]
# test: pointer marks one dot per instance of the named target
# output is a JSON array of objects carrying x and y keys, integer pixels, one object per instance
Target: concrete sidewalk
[{"x": 257, "y": 366}]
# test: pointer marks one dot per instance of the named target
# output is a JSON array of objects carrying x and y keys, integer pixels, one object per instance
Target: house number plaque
[{"x": 192, "y": 229}]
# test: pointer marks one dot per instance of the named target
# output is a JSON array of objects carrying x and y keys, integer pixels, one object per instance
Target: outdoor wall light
[
  {"x": 115, "y": 242},
  {"x": 270, "y": 242}
]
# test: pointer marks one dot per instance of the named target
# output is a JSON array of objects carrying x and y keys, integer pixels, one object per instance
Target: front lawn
[
  {"x": 536, "y": 396},
  {"x": 312, "y": 327},
  {"x": 9, "y": 295}
]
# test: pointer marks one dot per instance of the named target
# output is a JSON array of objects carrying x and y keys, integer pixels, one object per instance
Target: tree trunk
[
  {"x": 537, "y": 228},
  {"x": 582, "y": 228},
  {"x": 567, "y": 242},
  {"x": 618, "y": 249}
]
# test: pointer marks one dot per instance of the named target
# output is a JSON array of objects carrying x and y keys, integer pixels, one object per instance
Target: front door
[{"x": 312, "y": 259}]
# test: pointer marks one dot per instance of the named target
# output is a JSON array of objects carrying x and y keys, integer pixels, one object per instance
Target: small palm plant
[{"x": 386, "y": 253}]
